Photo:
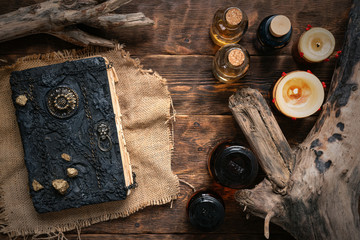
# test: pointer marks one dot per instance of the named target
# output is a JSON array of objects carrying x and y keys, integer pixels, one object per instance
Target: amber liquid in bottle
[
  {"x": 228, "y": 26},
  {"x": 231, "y": 63},
  {"x": 233, "y": 166}
]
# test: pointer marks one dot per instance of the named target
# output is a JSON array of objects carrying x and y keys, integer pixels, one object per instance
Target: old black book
[{"x": 70, "y": 125}]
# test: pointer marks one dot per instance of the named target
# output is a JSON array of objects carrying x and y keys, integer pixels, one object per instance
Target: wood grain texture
[
  {"x": 259, "y": 125},
  {"x": 194, "y": 236},
  {"x": 182, "y": 27},
  {"x": 179, "y": 48},
  {"x": 190, "y": 78},
  {"x": 185, "y": 26}
]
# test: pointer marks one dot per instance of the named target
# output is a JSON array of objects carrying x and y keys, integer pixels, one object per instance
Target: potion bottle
[
  {"x": 274, "y": 32},
  {"x": 228, "y": 26},
  {"x": 231, "y": 63}
]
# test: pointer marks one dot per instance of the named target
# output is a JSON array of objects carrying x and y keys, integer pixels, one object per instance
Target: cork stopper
[
  {"x": 236, "y": 57},
  {"x": 233, "y": 16},
  {"x": 279, "y": 26}
]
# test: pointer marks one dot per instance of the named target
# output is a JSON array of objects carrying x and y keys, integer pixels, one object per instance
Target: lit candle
[
  {"x": 298, "y": 94},
  {"x": 316, "y": 44}
]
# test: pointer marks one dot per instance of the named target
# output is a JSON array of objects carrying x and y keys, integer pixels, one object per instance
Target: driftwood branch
[
  {"x": 59, "y": 18},
  {"x": 322, "y": 181},
  {"x": 264, "y": 135},
  {"x": 268, "y": 217},
  {"x": 111, "y": 21},
  {"x": 78, "y": 37}
]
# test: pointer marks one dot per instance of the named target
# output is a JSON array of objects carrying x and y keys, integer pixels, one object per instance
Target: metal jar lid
[{"x": 206, "y": 210}]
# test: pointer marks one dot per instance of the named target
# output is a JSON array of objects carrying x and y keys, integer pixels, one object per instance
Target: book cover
[{"x": 69, "y": 121}]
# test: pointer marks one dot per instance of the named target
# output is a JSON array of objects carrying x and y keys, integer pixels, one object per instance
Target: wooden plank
[
  {"x": 166, "y": 220},
  {"x": 197, "y": 69},
  {"x": 219, "y": 236},
  {"x": 182, "y": 27},
  {"x": 196, "y": 135},
  {"x": 195, "y": 90}
]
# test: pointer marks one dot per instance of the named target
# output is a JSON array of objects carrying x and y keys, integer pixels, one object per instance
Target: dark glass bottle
[
  {"x": 232, "y": 165},
  {"x": 274, "y": 32},
  {"x": 206, "y": 210}
]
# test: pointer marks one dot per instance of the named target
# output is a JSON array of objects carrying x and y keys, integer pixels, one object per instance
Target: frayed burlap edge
[{"x": 58, "y": 232}]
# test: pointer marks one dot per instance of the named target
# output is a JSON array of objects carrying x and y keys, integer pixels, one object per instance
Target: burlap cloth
[{"x": 146, "y": 108}]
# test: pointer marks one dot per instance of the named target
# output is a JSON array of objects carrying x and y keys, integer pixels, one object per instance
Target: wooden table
[{"x": 178, "y": 47}]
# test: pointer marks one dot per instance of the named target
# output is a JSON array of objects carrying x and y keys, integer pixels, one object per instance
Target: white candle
[
  {"x": 298, "y": 94},
  {"x": 316, "y": 44}
]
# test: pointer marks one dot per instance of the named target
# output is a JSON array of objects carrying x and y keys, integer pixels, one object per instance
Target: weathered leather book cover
[{"x": 70, "y": 126}]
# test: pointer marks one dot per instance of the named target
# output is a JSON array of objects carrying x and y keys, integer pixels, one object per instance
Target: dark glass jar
[
  {"x": 206, "y": 210},
  {"x": 274, "y": 32},
  {"x": 232, "y": 165}
]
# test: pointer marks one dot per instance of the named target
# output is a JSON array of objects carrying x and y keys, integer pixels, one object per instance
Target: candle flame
[{"x": 296, "y": 91}]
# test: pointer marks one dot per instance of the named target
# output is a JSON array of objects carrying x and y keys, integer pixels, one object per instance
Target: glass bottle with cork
[
  {"x": 274, "y": 32},
  {"x": 231, "y": 63},
  {"x": 228, "y": 26}
]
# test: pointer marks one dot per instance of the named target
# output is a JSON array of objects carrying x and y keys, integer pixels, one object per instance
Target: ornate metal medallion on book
[{"x": 70, "y": 124}]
